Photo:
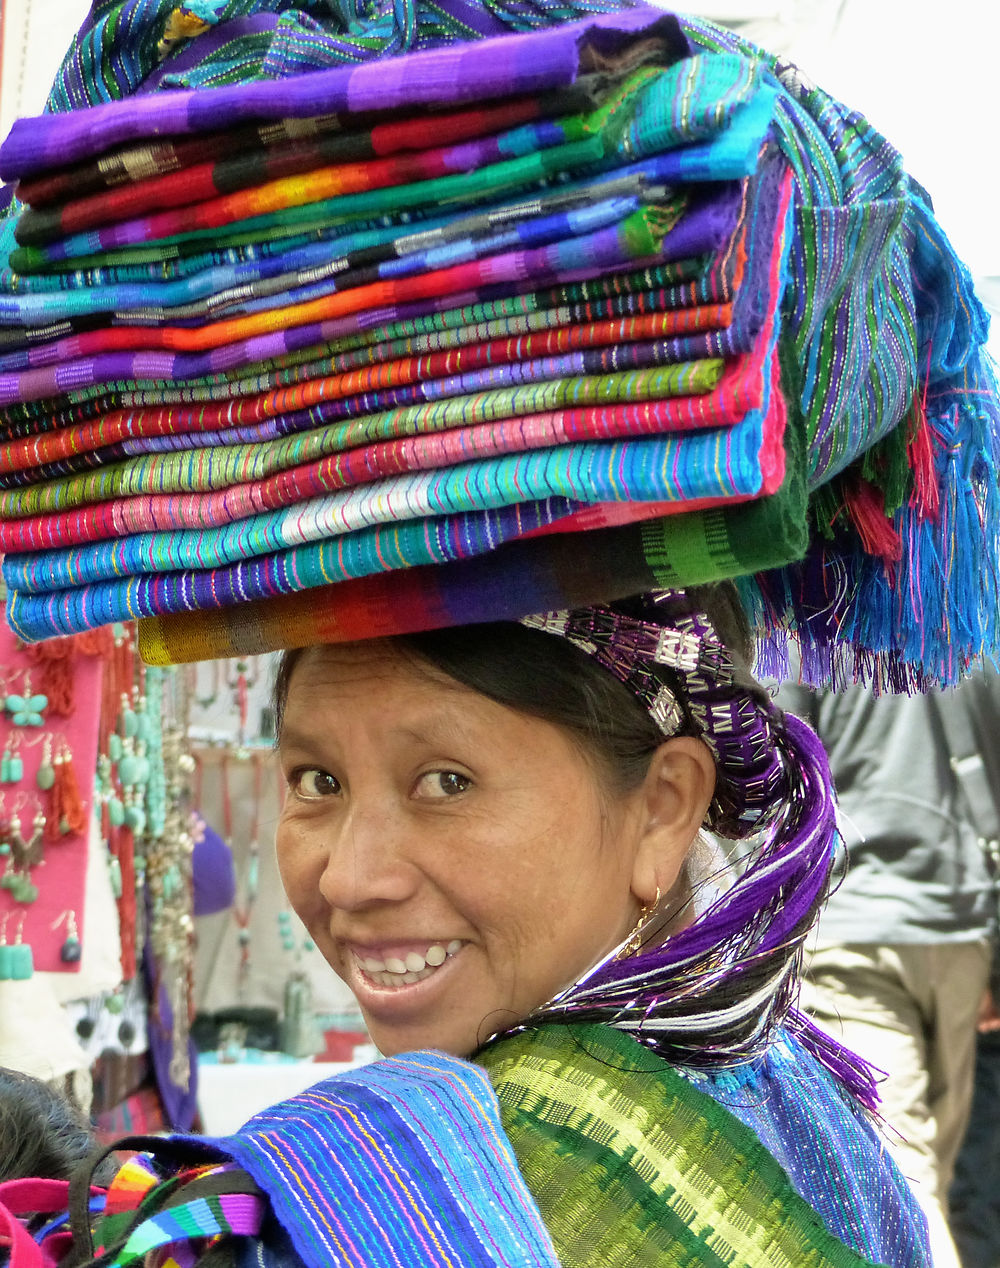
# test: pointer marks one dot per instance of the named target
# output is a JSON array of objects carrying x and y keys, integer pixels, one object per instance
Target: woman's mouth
[{"x": 405, "y": 968}]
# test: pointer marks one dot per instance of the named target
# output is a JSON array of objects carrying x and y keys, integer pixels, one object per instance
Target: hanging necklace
[
  {"x": 243, "y": 910},
  {"x": 244, "y": 677},
  {"x": 202, "y": 700}
]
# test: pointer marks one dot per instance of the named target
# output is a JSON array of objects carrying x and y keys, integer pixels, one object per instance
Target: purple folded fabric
[{"x": 497, "y": 67}]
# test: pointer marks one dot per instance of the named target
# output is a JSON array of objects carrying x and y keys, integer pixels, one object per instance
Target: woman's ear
[{"x": 676, "y": 794}]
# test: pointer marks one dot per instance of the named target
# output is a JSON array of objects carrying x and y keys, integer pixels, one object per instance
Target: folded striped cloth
[{"x": 414, "y": 304}]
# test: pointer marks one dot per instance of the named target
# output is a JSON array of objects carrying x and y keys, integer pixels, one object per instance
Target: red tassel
[
  {"x": 925, "y": 495},
  {"x": 68, "y": 808},
  {"x": 866, "y": 507}
]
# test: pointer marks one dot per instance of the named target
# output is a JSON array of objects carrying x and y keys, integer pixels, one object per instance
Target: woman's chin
[{"x": 426, "y": 1012}]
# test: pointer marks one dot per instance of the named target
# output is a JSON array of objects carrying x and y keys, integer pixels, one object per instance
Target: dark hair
[
  {"x": 41, "y": 1133},
  {"x": 549, "y": 678}
]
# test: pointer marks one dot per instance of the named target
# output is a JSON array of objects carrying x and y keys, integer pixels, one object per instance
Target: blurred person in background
[{"x": 903, "y": 950}]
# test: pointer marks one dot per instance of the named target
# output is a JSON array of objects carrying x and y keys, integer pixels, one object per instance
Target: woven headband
[{"x": 686, "y": 679}]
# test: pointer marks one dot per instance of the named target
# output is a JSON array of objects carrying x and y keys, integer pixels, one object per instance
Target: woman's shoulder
[{"x": 628, "y": 1156}]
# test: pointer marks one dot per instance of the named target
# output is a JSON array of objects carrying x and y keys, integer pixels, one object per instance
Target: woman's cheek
[{"x": 293, "y": 861}]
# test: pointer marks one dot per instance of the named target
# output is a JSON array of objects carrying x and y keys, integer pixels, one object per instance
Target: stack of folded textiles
[{"x": 373, "y": 346}]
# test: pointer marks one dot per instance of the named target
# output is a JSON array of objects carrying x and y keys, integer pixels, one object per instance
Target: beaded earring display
[
  {"x": 47, "y": 754},
  {"x": 21, "y": 854},
  {"x": 25, "y": 709},
  {"x": 16, "y": 961},
  {"x": 11, "y": 763},
  {"x": 71, "y": 950},
  {"x": 45, "y": 776},
  {"x": 27, "y": 851}
]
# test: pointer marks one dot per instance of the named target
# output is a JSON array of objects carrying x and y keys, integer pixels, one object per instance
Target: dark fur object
[{"x": 41, "y": 1133}]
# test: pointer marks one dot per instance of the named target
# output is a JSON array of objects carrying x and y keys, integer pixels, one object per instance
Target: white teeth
[{"x": 396, "y": 972}]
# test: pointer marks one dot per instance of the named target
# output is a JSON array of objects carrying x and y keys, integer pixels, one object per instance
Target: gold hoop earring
[{"x": 633, "y": 944}]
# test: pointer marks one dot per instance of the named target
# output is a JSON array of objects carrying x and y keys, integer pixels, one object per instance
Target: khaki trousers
[{"x": 910, "y": 1010}]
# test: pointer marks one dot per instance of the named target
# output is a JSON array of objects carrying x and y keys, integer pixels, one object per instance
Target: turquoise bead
[
  {"x": 16, "y": 773},
  {"x": 130, "y": 723},
  {"x": 6, "y": 963},
  {"x": 115, "y": 747},
  {"x": 116, "y": 812},
  {"x": 135, "y": 818},
  {"x": 22, "y": 962},
  {"x": 128, "y": 769},
  {"x": 23, "y": 891}
]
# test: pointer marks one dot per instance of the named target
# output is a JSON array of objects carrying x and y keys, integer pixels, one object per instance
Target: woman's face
[{"x": 456, "y": 862}]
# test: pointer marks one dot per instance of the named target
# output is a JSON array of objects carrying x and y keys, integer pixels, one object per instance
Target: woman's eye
[
  {"x": 442, "y": 783},
  {"x": 313, "y": 784}
]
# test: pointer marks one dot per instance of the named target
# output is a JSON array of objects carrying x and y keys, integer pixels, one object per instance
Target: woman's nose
[{"x": 368, "y": 860}]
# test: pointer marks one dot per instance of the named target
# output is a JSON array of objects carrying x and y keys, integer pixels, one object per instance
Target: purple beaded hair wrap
[{"x": 713, "y": 993}]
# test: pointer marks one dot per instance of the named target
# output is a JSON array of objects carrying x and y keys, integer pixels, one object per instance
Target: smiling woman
[
  {"x": 492, "y": 833},
  {"x": 459, "y": 861},
  {"x": 460, "y": 346}
]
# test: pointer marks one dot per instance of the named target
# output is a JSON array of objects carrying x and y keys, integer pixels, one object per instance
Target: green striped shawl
[{"x": 632, "y": 1166}]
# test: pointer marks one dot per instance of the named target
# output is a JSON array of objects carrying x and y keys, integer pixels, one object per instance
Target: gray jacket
[{"x": 918, "y": 779}]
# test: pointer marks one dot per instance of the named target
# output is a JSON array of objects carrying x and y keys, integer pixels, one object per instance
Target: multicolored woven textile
[
  {"x": 321, "y": 311},
  {"x": 588, "y": 1149},
  {"x": 633, "y": 1162},
  {"x": 533, "y": 573},
  {"x": 401, "y": 1162}
]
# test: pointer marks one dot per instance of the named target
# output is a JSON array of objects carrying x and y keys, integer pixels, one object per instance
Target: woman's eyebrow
[
  {"x": 436, "y": 730},
  {"x": 298, "y": 737}
]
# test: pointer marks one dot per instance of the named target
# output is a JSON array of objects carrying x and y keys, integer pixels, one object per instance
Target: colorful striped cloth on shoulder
[
  {"x": 635, "y": 1163},
  {"x": 570, "y": 1144},
  {"x": 404, "y": 1161}
]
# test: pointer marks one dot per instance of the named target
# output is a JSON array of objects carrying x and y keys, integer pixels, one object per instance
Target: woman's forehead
[
  {"x": 382, "y": 684},
  {"x": 360, "y": 669},
  {"x": 343, "y": 663}
]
